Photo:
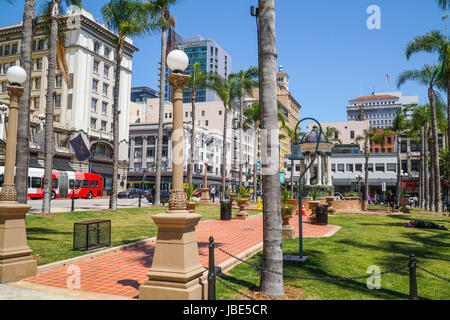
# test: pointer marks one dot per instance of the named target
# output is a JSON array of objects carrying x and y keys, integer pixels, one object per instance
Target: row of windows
[
  {"x": 358, "y": 167},
  {"x": 9, "y": 49},
  {"x": 5, "y": 66},
  {"x": 150, "y": 152},
  {"x": 138, "y": 141},
  {"x": 106, "y": 50},
  {"x": 106, "y": 69},
  {"x": 374, "y": 103},
  {"x": 103, "y": 124},
  {"x": 94, "y": 103},
  {"x": 95, "y": 87},
  {"x": 195, "y": 49}
]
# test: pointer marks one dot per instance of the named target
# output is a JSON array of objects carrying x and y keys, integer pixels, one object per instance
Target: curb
[{"x": 232, "y": 262}]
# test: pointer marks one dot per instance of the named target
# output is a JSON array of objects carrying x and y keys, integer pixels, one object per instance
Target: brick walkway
[{"x": 122, "y": 272}]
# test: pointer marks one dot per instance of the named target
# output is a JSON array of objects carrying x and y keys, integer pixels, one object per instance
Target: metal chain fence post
[
  {"x": 211, "y": 271},
  {"x": 412, "y": 278}
]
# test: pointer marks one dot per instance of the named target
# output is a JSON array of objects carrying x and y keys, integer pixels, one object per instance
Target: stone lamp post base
[
  {"x": 16, "y": 261},
  {"x": 176, "y": 272},
  {"x": 287, "y": 231},
  {"x": 205, "y": 196}
]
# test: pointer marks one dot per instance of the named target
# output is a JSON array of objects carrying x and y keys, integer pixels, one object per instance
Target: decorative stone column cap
[{"x": 176, "y": 220}]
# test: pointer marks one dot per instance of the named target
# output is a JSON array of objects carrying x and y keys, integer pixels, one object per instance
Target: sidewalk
[{"x": 120, "y": 273}]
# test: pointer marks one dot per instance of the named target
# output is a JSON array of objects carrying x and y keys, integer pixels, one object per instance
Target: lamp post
[
  {"x": 176, "y": 271},
  {"x": 204, "y": 199},
  {"x": 296, "y": 154},
  {"x": 16, "y": 261}
]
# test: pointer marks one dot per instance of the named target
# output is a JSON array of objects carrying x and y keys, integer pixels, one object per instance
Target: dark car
[
  {"x": 164, "y": 197},
  {"x": 129, "y": 193}
]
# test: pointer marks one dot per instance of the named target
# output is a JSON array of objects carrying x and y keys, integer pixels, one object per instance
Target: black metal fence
[{"x": 215, "y": 274}]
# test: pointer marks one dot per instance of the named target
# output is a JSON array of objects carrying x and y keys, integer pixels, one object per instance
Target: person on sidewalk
[
  {"x": 391, "y": 200},
  {"x": 212, "y": 194}
]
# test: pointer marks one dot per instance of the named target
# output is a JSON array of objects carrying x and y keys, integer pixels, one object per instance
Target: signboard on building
[{"x": 281, "y": 177}]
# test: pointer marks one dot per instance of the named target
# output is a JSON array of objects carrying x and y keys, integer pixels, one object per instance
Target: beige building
[
  {"x": 84, "y": 103},
  {"x": 347, "y": 131}
]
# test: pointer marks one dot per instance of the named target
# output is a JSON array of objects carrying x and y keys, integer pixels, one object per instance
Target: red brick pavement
[{"x": 122, "y": 272}]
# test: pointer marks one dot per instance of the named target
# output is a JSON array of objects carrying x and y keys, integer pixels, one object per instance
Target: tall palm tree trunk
[
  {"x": 23, "y": 130},
  {"x": 422, "y": 170},
  {"x": 366, "y": 176},
  {"x": 448, "y": 138},
  {"x": 113, "y": 197},
  {"x": 241, "y": 141},
  {"x": 270, "y": 283},
  {"x": 49, "y": 109},
  {"x": 432, "y": 182},
  {"x": 224, "y": 152},
  {"x": 255, "y": 165},
  {"x": 162, "y": 93},
  {"x": 435, "y": 156},
  {"x": 399, "y": 167},
  {"x": 292, "y": 175},
  {"x": 191, "y": 160},
  {"x": 426, "y": 171}
]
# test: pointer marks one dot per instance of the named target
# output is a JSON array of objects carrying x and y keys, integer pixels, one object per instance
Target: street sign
[{"x": 258, "y": 166}]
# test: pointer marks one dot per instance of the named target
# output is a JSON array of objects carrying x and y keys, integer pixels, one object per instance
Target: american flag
[{"x": 388, "y": 78}]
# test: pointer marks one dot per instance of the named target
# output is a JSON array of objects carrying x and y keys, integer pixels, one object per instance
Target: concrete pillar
[
  {"x": 308, "y": 172},
  {"x": 131, "y": 164},
  {"x": 144, "y": 152},
  {"x": 329, "y": 178},
  {"x": 176, "y": 272},
  {"x": 319, "y": 169},
  {"x": 16, "y": 262}
]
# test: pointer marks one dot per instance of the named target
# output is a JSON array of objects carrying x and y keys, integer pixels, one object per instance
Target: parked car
[
  {"x": 130, "y": 193},
  {"x": 198, "y": 193},
  {"x": 164, "y": 197}
]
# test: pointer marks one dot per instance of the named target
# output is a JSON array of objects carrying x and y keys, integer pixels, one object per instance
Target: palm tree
[
  {"x": 289, "y": 133},
  {"x": 127, "y": 18},
  {"x": 245, "y": 81},
  {"x": 444, "y": 4},
  {"x": 163, "y": 21},
  {"x": 399, "y": 127},
  {"x": 195, "y": 83},
  {"x": 226, "y": 91},
  {"x": 23, "y": 133},
  {"x": 52, "y": 25},
  {"x": 429, "y": 76},
  {"x": 270, "y": 283},
  {"x": 371, "y": 134},
  {"x": 436, "y": 42},
  {"x": 331, "y": 133}
]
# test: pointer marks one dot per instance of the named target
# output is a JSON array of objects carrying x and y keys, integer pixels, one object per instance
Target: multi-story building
[
  {"x": 82, "y": 104},
  {"x": 141, "y": 94},
  {"x": 209, "y": 134},
  {"x": 211, "y": 57},
  {"x": 346, "y": 131},
  {"x": 379, "y": 108}
]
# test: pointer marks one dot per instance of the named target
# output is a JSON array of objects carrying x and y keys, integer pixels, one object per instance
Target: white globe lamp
[
  {"x": 177, "y": 61},
  {"x": 16, "y": 75}
]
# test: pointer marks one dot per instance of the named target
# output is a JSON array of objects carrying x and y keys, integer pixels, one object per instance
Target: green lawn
[
  {"x": 51, "y": 238},
  {"x": 363, "y": 240}
]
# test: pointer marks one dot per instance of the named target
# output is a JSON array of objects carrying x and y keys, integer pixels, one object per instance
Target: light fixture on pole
[
  {"x": 297, "y": 154},
  {"x": 176, "y": 271},
  {"x": 16, "y": 261}
]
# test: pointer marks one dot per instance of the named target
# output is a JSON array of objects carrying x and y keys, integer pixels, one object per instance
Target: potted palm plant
[
  {"x": 242, "y": 199},
  {"x": 329, "y": 199},
  {"x": 190, "y": 204},
  {"x": 287, "y": 210}
]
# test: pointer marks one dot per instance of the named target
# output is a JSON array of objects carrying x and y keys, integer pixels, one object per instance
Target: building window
[
  {"x": 340, "y": 167},
  {"x": 165, "y": 115},
  {"x": 106, "y": 53},
  {"x": 4, "y": 84},
  {"x": 336, "y": 135},
  {"x": 95, "y": 69},
  {"x": 404, "y": 147},
  {"x": 389, "y": 140},
  {"x": 379, "y": 167},
  {"x": 58, "y": 81},
  {"x": 186, "y": 114},
  {"x": 58, "y": 101},
  {"x": 203, "y": 113},
  {"x": 151, "y": 140},
  {"x": 37, "y": 102},
  {"x": 358, "y": 167},
  {"x": 96, "y": 47},
  {"x": 138, "y": 141},
  {"x": 206, "y": 122},
  {"x": 352, "y": 134},
  {"x": 164, "y": 152},
  {"x": 404, "y": 165},
  {"x": 391, "y": 167},
  {"x": 93, "y": 123},
  {"x": 104, "y": 107},
  {"x": 38, "y": 64},
  {"x": 333, "y": 167},
  {"x": 349, "y": 167},
  {"x": 103, "y": 125},
  {"x": 415, "y": 165},
  {"x": 220, "y": 112},
  {"x": 94, "y": 85},
  {"x": 105, "y": 89},
  {"x": 150, "y": 152},
  {"x": 370, "y": 167},
  {"x": 106, "y": 71},
  {"x": 37, "y": 83},
  {"x": 94, "y": 105}
]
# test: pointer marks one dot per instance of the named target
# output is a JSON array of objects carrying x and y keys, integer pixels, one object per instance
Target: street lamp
[
  {"x": 176, "y": 271},
  {"x": 296, "y": 154},
  {"x": 15, "y": 255}
]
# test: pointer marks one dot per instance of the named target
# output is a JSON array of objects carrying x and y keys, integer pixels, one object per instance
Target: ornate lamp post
[
  {"x": 16, "y": 261},
  {"x": 297, "y": 154},
  {"x": 176, "y": 272},
  {"x": 205, "y": 190}
]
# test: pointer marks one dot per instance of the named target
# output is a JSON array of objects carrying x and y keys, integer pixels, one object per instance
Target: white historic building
[{"x": 85, "y": 102}]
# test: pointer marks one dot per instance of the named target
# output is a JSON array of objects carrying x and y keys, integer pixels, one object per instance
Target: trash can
[
  {"x": 225, "y": 210},
  {"x": 322, "y": 215}
]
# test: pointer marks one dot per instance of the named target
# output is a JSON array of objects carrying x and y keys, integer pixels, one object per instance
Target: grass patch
[
  {"x": 51, "y": 237},
  {"x": 364, "y": 240}
]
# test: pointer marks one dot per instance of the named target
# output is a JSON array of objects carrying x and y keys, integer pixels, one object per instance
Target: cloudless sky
[{"x": 324, "y": 45}]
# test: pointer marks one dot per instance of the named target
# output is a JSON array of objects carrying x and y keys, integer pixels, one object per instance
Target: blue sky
[{"x": 324, "y": 45}]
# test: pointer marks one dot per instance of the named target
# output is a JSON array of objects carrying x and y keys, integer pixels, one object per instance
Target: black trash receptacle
[
  {"x": 322, "y": 214},
  {"x": 225, "y": 210}
]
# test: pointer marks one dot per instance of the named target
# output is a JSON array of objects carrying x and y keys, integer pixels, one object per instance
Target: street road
[{"x": 65, "y": 205}]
